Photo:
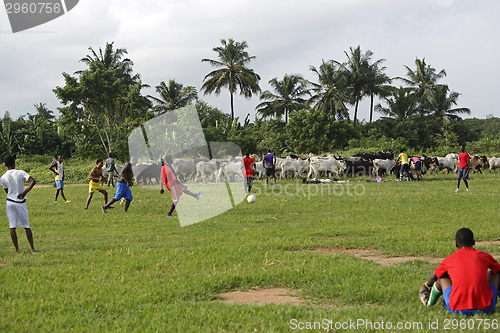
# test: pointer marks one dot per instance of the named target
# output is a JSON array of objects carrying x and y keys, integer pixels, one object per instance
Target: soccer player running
[
  {"x": 95, "y": 176},
  {"x": 248, "y": 165},
  {"x": 17, "y": 211},
  {"x": 463, "y": 168},
  {"x": 169, "y": 180},
  {"x": 122, "y": 188},
  {"x": 463, "y": 279},
  {"x": 58, "y": 170}
]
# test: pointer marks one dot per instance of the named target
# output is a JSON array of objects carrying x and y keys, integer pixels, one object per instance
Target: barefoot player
[
  {"x": 17, "y": 211},
  {"x": 122, "y": 188},
  {"x": 96, "y": 176}
]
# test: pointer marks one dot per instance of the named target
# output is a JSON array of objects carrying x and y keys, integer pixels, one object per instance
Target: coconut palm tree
[
  {"x": 232, "y": 72},
  {"x": 401, "y": 104},
  {"x": 422, "y": 79},
  {"x": 377, "y": 85},
  {"x": 173, "y": 96},
  {"x": 288, "y": 97},
  {"x": 329, "y": 92},
  {"x": 440, "y": 103},
  {"x": 112, "y": 59},
  {"x": 43, "y": 112},
  {"x": 358, "y": 71}
]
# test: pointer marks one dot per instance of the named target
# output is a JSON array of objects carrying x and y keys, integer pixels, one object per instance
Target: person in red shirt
[
  {"x": 463, "y": 167},
  {"x": 169, "y": 180},
  {"x": 463, "y": 279},
  {"x": 248, "y": 165}
]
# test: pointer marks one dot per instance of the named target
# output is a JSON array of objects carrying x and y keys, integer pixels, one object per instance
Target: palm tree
[
  {"x": 232, "y": 72},
  {"x": 357, "y": 71},
  {"x": 43, "y": 112},
  {"x": 422, "y": 79},
  {"x": 288, "y": 97},
  {"x": 112, "y": 59},
  {"x": 377, "y": 85},
  {"x": 440, "y": 103},
  {"x": 329, "y": 92},
  {"x": 173, "y": 96},
  {"x": 400, "y": 104}
]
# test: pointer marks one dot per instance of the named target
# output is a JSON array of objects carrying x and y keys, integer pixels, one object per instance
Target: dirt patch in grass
[
  {"x": 375, "y": 255},
  {"x": 486, "y": 243},
  {"x": 263, "y": 296}
]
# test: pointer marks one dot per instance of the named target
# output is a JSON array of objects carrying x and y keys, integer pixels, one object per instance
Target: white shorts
[{"x": 17, "y": 214}]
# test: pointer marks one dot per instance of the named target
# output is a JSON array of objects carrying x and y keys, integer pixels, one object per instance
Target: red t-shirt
[
  {"x": 468, "y": 271},
  {"x": 463, "y": 158},
  {"x": 248, "y": 164},
  {"x": 167, "y": 176}
]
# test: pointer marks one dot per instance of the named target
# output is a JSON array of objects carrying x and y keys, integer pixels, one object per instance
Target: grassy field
[{"x": 142, "y": 272}]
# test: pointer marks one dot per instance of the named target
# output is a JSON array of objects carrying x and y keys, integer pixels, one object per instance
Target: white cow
[
  {"x": 450, "y": 164},
  {"x": 207, "y": 171},
  {"x": 494, "y": 163},
  {"x": 328, "y": 166},
  {"x": 295, "y": 166},
  {"x": 231, "y": 171},
  {"x": 185, "y": 169},
  {"x": 277, "y": 166},
  {"x": 383, "y": 165},
  {"x": 452, "y": 156},
  {"x": 259, "y": 169}
]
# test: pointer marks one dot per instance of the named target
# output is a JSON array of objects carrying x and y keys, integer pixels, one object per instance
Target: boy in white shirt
[{"x": 17, "y": 212}]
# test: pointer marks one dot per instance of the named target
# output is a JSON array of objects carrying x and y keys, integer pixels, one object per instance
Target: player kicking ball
[
  {"x": 169, "y": 180},
  {"x": 122, "y": 188}
]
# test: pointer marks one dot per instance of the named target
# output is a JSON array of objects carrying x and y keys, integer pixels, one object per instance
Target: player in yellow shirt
[{"x": 405, "y": 167}]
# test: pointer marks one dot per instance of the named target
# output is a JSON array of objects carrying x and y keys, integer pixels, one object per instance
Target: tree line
[{"x": 104, "y": 102}]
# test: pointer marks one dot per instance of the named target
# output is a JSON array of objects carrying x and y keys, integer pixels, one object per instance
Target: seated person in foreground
[{"x": 463, "y": 279}]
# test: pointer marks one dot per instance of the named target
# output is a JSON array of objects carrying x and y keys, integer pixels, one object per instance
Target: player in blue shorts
[{"x": 122, "y": 188}]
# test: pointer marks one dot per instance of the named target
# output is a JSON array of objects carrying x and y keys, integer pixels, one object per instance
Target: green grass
[{"x": 142, "y": 272}]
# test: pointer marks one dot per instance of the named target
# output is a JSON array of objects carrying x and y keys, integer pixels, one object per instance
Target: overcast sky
[{"x": 167, "y": 40}]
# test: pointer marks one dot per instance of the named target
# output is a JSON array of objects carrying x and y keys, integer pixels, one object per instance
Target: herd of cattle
[{"x": 201, "y": 169}]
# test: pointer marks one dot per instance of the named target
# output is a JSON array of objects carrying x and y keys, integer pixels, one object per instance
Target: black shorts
[
  {"x": 404, "y": 168},
  {"x": 270, "y": 173},
  {"x": 418, "y": 166}
]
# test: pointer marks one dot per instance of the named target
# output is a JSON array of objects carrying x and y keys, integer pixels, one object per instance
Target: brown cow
[{"x": 477, "y": 162}]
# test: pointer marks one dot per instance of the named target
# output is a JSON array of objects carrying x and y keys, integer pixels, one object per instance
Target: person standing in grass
[
  {"x": 463, "y": 168},
  {"x": 405, "y": 168},
  {"x": 95, "y": 177},
  {"x": 463, "y": 279},
  {"x": 58, "y": 170},
  {"x": 248, "y": 165},
  {"x": 122, "y": 188},
  {"x": 17, "y": 211},
  {"x": 111, "y": 169},
  {"x": 269, "y": 162},
  {"x": 169, "y": 180}
]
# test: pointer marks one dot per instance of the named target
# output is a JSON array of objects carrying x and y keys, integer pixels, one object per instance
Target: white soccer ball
[{"x": 251, "y": 198}]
